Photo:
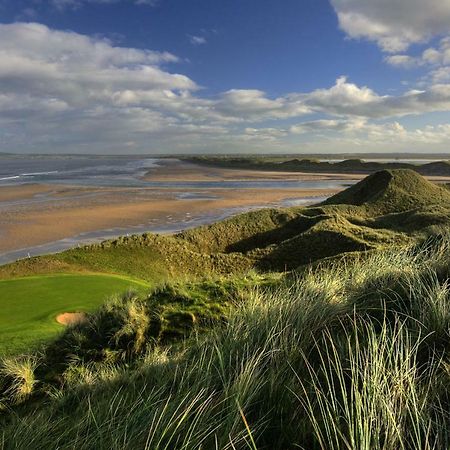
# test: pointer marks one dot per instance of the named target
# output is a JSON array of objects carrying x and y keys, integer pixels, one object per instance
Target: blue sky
[{"x": 210, "y": 76}]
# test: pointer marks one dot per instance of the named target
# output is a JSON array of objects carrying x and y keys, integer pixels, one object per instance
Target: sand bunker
[{"x": 71, "y": 318}]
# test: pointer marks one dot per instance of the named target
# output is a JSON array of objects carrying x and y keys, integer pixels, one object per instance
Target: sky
[{"x": 216, "y": 76}]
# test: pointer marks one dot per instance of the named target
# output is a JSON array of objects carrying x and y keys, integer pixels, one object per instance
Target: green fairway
[{"x": 29, "y": 306}]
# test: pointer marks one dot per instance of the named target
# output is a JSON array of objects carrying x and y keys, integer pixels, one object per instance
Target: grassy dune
[
  {"x": 29, "y": 306},
  {"x": 285, "y": 164},
  {"x": 388, "y": 208},
  {"x": 354, "y": 357}
]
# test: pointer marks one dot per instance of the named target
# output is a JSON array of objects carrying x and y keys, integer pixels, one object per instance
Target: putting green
[{"x": 29, "y": 306}]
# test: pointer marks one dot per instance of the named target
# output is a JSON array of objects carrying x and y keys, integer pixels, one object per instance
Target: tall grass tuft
[
  {"x": 353, "y": 356},
  {"x": 369, "y": 391},
  {"x": 18, "y": 378}
]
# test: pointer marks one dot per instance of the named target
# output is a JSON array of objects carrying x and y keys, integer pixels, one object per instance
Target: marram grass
[{"x": 349, "y": 356}]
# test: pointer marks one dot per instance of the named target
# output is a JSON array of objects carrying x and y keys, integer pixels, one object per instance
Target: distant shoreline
[{"x": 436, "y": 168}]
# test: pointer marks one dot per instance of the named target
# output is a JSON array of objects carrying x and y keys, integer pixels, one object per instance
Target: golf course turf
[{"x": 29, "y": 306}]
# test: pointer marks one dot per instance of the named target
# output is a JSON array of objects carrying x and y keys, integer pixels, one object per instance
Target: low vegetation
[
  {"x": 286, "y": 164},
  {"x": 354, "y": 356},
  {"x": 29, "y": 306}
]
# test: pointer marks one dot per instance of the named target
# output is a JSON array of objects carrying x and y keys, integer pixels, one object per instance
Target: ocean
[
  {"x": 123, "y": 172},
  {"x": 89, "y": 171}
]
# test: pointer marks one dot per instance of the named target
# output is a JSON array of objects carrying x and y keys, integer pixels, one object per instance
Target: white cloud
[
  {"x": 342, "y": 98},
  {"x": 404, "y": 61},
  {"x": 249, "y": 103},
  {"x": 394, "y": 24},
  {"x": 392, "y": 136},
  {"x": 356, "y": 127},
  {"x": 327, "y": 125},
  {"x": 40, "y": 61},
  {"x": 435, "y": 59},
  {"x": 348, "y": 99},
  {"x": 62, "y": 87},
  {"x": 264, "y": 134},
  {"x": 197, "y": 40},
  {"x": 253, "y": 104},
  {"x": 439, "y": 61},
  {"x": 63, "y": 90}
]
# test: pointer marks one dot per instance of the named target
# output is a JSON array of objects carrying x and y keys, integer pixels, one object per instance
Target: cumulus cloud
[
  {"x": 342, "y": 98},
  {"x": 84, "y": 84},
  {"x": 348, "y": 99},
  {"x": 341, "y": 135},
  {"x": 439, "y": 60},
  {"x": 46, "y": 59},
  {"x": 253, "y": 104},
  {"x": 351, "y": 126},
  {"x": 434, "y": 56},
  {"x": 393, "y": 24},
  {"x": 327, "y": 125},
  {"x": 435, "y": 59},
  {"x": 249, "y": 103},
  {"x": 264, "y": 134},
  {"x": 63, "y": 90}
]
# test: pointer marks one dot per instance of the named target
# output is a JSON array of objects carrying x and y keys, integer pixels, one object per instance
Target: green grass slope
[
  {"x": 353, "y": 356},
  {"x": 350, "y": 352},
  {"x": 149, "y": 257},
  {"x": 29, "y": 306},
  {"x": 222, "y": 237},
  {"x": 386, "y": 208},
  {"x": 392, "y": 191}
]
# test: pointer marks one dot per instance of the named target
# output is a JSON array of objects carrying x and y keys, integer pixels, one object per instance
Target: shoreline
[
  {"x": 39, "y": 218},
  {"x": 61, "y": 218},
  {"x": 433, "y": 168},
  {"x": 97, "y": 236},
  {"x": 179, "y": 170}
]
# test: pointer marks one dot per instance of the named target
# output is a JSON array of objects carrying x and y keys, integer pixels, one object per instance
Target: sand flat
[
  {"x": 176, "y": 171},
  {"x": 37, "y": 214},
  {"x": 29, "y": 224}
]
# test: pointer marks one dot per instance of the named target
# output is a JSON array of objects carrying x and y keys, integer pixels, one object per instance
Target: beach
[
  {"x": 65, "y": 214},
  {"x": 42, "y": 217},
  {"x": 169, "y": 195}
]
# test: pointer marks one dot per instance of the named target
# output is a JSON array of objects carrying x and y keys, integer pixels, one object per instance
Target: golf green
[{"x": 29, "y": 306}]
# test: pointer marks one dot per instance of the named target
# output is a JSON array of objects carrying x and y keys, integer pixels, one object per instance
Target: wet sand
[
  {"x": 175, "y": 171},
  {"x": 32, "y": 215}
]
